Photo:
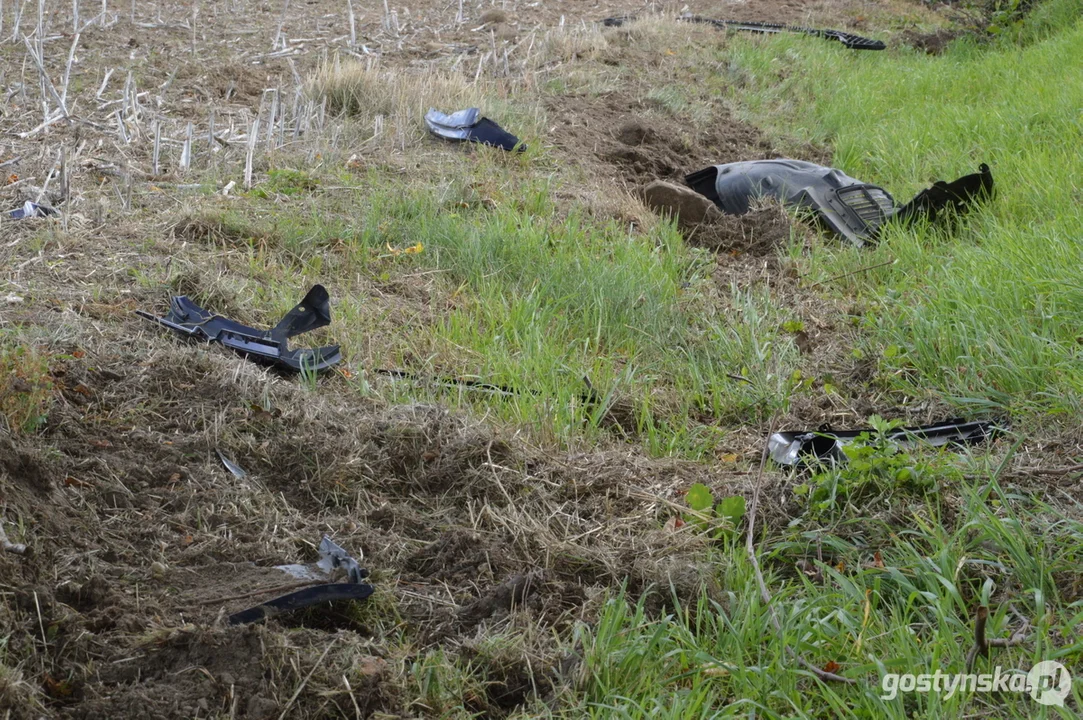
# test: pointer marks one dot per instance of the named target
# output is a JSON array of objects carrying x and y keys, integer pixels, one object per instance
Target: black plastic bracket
[{"x": 268, "y": 347}]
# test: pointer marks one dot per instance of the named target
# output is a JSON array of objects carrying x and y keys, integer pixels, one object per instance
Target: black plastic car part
[
  {"x": 955, "y": 196},
  {"x": 844, "y": 205},
  {"x": 331, "y": 557},
  {"x": 269, "y": 347},
  {"x": 851, "y": 41},
  {"x": 468, "y": 125},
  {"x": 825, "y": 445},
  {"x": 307, "y": 597}
]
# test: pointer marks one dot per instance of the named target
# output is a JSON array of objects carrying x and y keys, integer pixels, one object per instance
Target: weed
[
  {"x": 728, "y": 512},
  {"x": 26, "y": 393}
]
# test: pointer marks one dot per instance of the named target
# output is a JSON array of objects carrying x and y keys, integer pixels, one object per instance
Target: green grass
[
  {"x": 540, "y": 295},
  {"x": 723, "y": 658},
  {"x": 990, "y": 315},
  {"x": 988, "y": 318}
]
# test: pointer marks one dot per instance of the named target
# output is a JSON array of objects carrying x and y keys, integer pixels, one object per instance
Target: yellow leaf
[
  {"x": 414, "y": 249},
  {"x": 394, "y": 251}
]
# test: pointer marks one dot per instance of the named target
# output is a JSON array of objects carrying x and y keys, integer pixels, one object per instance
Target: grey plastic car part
[
  {"x": 825, "y": 445},
  {"x": 265, "y": 346},
  {"x": 469, "y": 125},
  {"x": 844, "y": 205},
  {"x": 331, "y": 556},
  {"x": 854, "y": 42},
  {"x": 31, "y": 210}
]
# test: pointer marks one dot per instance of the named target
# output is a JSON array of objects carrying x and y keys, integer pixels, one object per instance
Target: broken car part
[
  {"x": 331, "y": 556},
  {"x": 265, "y": 346},
  {"x": 844, "y": 205},
  {"x": 236, "y": 470},
  {"x": 302, "y": 599},
  {"x": 825, "y": 444},
  {"x": 468, "y": 125},
  {"x": 853, "y": 42},
  {"x": 954, "y": 196},
  {"x": 31, "y": 210}
]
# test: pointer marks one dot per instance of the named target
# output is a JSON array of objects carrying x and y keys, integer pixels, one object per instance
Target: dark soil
[
  {"x": 933, "y": 43},
  {"x": 632, "y": 142}
]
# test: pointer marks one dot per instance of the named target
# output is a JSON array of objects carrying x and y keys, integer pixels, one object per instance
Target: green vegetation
[
  {"x": 26, "y": 387},
  {"x": 900, "y": 606},
  {"x": 989, "y": 316}
]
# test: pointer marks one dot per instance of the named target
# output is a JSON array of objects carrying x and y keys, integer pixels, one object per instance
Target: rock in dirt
[{"x": 688, "y": 206}]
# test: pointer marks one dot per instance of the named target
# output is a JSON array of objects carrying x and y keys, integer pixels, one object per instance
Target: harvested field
[{"x": 530, "y": 539}]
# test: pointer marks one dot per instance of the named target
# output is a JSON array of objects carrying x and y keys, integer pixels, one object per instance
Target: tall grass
[
  {"x": 903, "y": 606},
  {"x": 548, "y": 298},
  {"x": 989, "y": 315}
]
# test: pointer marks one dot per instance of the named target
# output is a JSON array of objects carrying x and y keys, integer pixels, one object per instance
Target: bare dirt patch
[{"x": 632, "y": 142}]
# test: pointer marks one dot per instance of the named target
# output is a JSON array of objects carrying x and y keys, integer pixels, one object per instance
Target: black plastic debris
[
  {"x": 307, "y": 597},
  {"x": 31, "y": 210},
  {"x": 825, "y": 445},
  {"x": 332, "y": 557},
  {"x": 469, "y": 125},
  {"x": 954, "y": 197},
  {"x": 844, "y": 205},
  {"x": 851, "y": 41},
  {"x": 268, "y": 347}
]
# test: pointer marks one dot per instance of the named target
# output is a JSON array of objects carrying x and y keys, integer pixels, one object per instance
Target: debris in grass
[
  {"x": 8, "y": 546},
  {"x": 825, "y": 444},
  {"x": 844, "y": 205},
  {"x": 300, "y": 599},
  {"x": 332, "y": 556},
  {"x": 233, "y": 467},
  {"x": 981, "y": 645},
  {"x": 470, "y": 125},
  {"x": 264, "y": 346},
  {"x": 850, "y": 40},
  {"x": 31, "y": 210}
]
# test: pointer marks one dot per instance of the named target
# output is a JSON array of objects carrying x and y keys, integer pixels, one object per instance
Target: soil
[
  {"x": 632, "y": 142},
  {"x": 933, "y": 43},
  {"x": 158, "y": 542},
  {"x": 629, "y": 144}
]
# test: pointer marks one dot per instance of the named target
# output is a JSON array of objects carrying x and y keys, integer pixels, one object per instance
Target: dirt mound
[
  {"x": 757, "y": 233},
  {"x": 634, "y": 142},
  {"x": 933, "y": 43}
]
